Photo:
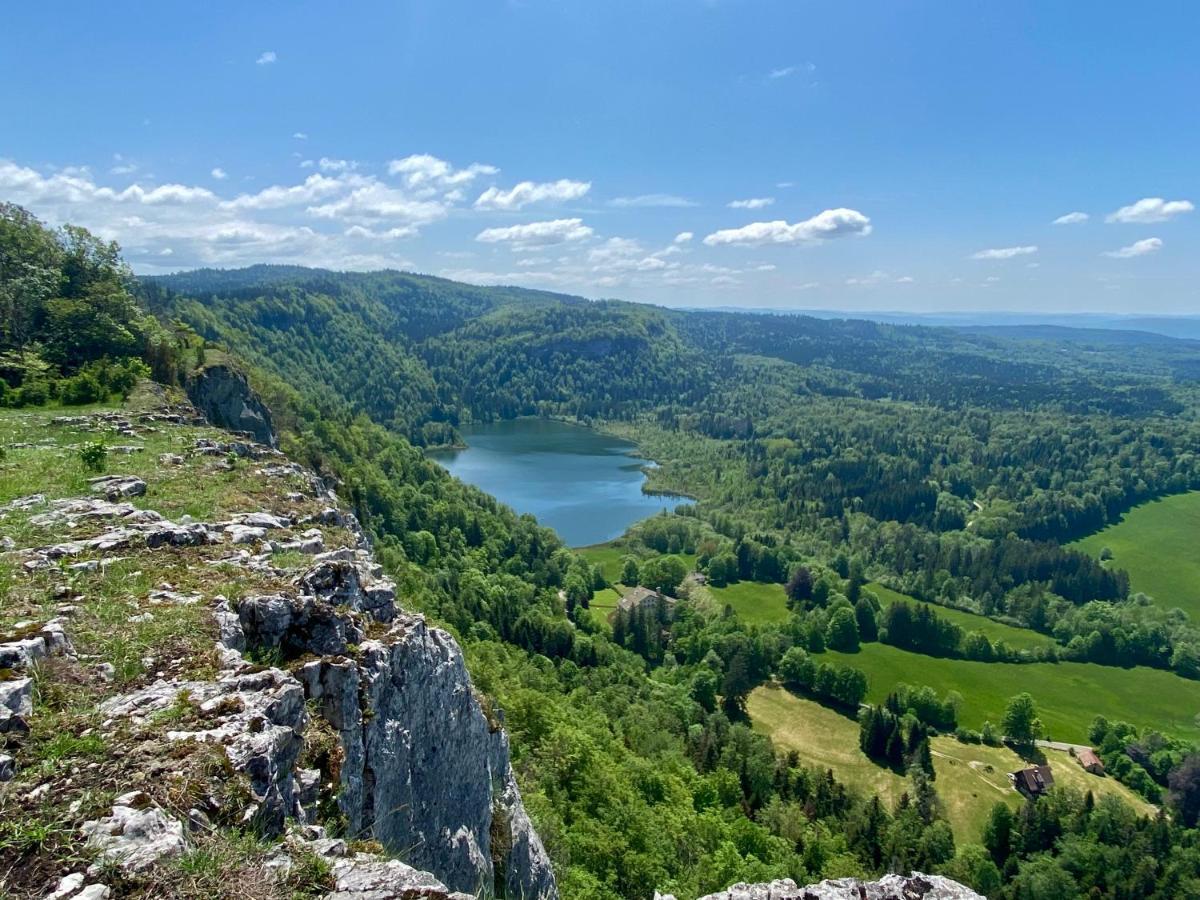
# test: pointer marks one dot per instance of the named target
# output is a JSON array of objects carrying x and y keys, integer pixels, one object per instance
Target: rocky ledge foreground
[
  {"x": 230, "y": 694},
  {"x": 914, "y": 886}
]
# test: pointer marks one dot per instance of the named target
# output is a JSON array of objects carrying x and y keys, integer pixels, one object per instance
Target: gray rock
[
  {"x": 189, "y": 535},
  {"x": 16, "y": 696},
  {"x": 67, "y": 885},
  {"x": 369, "y": 877},
  {"x": 115, "y": 487},
  {"x": 914, "y": 886},
  {"x": 262, "y": 520},
  {"x": 22, "y": 653},
  {"x": 20, "y": 503},
  {"x": 347, "y": 581},
  {"x": 8, "y": 767},
  {"x": 256, "y": 718},
  {"x": 134, "y": 838},
  {"x": 245, "y": 534},
  {"x": 426, "y": 773},
  {"x": 302, "y": 624},
  {"x": 226, "y": 399},
  {"x": 94, "y": 892}
]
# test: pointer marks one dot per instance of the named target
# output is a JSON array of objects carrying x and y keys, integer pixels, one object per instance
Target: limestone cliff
[{"x": 226, "y": 399}]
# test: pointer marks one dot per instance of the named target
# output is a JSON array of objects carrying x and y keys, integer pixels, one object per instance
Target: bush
[{"x": 94, "y": 456}]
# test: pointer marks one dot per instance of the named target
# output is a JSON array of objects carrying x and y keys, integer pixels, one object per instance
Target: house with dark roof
[{"x": 1033, "y": 781}]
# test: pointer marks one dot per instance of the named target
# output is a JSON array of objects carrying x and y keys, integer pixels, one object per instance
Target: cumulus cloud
[
  {"x": 336, "y": 165},
  {"x": 537, "y": 234},
  {"x": 375, "y": 201},
  {"x": 1071, "y": 218},
  {"x": 752, "y": 203},
  {"x": 219, "y": 174},
  {"x": 174, "y": 226},
  {"x": 832, "y": 223},
  {"x": 683, "y": 237},
  {"x": 1004, "y": 252},
  {"x": 1137, "y": 248},
  {"x": 1149, "y": 210},
  {"x": 528, "y": 192},
  {"x": 421, "y": 170},
  {"x": 266, "y": 58},
  {"x": 644, "y": 201}
]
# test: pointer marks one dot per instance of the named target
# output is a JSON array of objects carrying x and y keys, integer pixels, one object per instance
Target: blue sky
[{"x": 853, "y": 155}]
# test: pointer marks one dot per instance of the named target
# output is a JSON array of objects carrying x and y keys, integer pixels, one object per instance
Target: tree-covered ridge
[{"x": 70, "y": 328}]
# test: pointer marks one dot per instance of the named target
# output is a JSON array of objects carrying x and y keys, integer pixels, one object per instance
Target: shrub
[{"x": 94, "y": 456}]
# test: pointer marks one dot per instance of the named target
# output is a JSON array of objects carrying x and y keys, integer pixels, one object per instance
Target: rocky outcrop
[
  {"x": 422, "y": 771},
  {"x": 913, "y": 886},
  {"x": 425, "y": 770},
  {"x": 329, "y": 705},
  {"x": 226, "y": 399}
]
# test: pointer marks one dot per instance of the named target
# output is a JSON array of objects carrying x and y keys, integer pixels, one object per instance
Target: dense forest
[{"x": 823, "y": 453}]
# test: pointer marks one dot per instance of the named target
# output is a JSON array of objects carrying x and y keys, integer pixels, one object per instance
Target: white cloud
[
  {"x": 122, "y": 166},
  {"x": 537, "y": 234},
  {"x": 267, "y": 57},
  {"x": 336, "y": 165},
  {"x": 527, "y": 192},
  {"x": 781, "y": 73},
  {"x": 421, "y": 170},
  {"x": 683, "y": 237},
  {"x": 752, "y": 203},
  {"x": 1071, "y": 218},
  {"x": 1004, "y": 252},
  {"x": 1137, "y": 248},
  {"x": 765, "y": 267},
  {"x": 832, "y": 223},
  {"x": 376, "y": 201},
  {"x": 878, "y": 277},
  {"x": 643, "y": 201},
  {"x": 1149, "y": 210},
  {"x": 219, "y": 174},
  {"x": 314, "y": 187},
  {"x": 300, "y": 136}
]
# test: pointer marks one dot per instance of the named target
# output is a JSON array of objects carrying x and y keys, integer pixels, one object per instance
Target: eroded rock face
[
  {"x": 227, "y": 401},
  {"x": 425, "y": 771},
  {"x": 913, "y": 886},
  {"x": 367, "y": 877}
]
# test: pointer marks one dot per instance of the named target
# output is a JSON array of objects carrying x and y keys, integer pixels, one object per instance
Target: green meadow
[
  {"x": 754, "y": 602},
  {"x": 1068, "y": 694},
  {"x": 971, "y": 778},
  {"x": 1158, "y": 544},
  {"x": 1017, "y": 638}
]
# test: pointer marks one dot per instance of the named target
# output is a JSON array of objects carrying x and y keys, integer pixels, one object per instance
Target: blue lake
[{"x": 585, "y": 485}]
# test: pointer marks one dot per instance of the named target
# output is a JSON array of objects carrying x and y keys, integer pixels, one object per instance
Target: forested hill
[{"x": 413, "y": 350}]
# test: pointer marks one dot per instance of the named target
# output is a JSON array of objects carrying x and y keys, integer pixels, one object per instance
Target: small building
[
  {"x": 1089, "y": 760},
  {"x": 1033, "y": 781}
]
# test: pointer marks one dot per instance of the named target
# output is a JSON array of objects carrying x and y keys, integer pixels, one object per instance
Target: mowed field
[
  {"x": 755, "y": 603},
  {"x": 1158, "y": 544},
  {"x": 971, "y": 778},
  {"x": 1017, "y": 638},
  {"x": 1068, "y": 694}
]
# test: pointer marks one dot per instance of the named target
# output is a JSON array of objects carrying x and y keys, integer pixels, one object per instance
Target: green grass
[
  {"x": 1068, "y": 694},
  {"x": 755, "y": 603},
  {"x": 1158, "y": 544},
  {"x": 603, "y": 604},
  {"x": 608, "y": 557},
  {"x": 971, "y": 778},
  {"x": 1017, "y": 638}
]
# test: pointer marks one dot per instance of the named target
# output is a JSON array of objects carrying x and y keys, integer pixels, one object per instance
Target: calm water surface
[{"x": 583, "y": 484}]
